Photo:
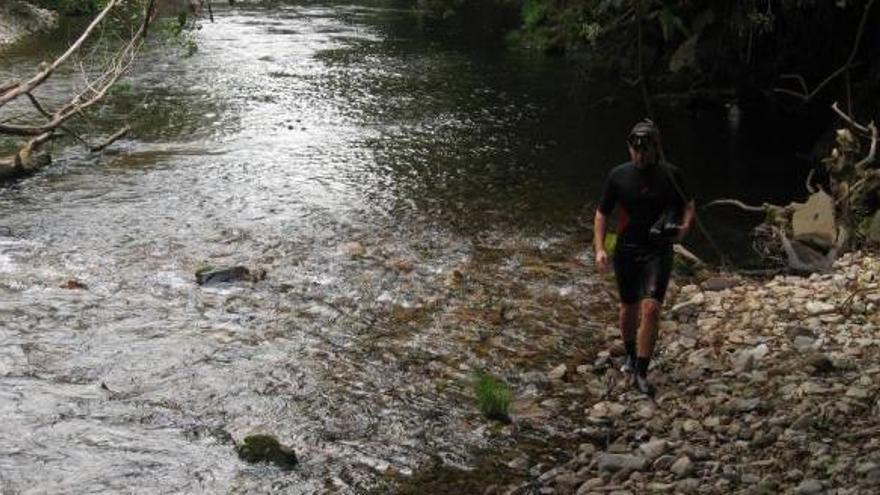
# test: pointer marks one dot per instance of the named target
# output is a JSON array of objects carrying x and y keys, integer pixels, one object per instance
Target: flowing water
[{"x": 463, "y": 170}]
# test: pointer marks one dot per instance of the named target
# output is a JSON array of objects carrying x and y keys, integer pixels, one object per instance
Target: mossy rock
[{"x": 266, "y": 448}]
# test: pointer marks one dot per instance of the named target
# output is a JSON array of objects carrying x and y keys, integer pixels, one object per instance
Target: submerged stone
[
  {"x": 212, "y": 275},
  {"x": 266, "y": 448}
]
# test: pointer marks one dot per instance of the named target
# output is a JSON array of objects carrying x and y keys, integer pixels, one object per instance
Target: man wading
[{"x": 655, "y": 211}]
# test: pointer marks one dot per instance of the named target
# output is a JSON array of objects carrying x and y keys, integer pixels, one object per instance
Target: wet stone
[{"x": 212, "y": 275}]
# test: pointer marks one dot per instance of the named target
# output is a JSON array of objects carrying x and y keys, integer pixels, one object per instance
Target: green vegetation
[
  {"x": 203, "y": 268},
  {"x": 493, "y": 397},
  {"x": 688, "y": 44}
]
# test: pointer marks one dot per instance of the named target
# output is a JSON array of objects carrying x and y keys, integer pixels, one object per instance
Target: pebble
[
  {"x": 557, "y": 373},
  {"x": 682, "y": 467},
  {"x": 653, "y": 449},
  {"x": 761, "y": 387}
]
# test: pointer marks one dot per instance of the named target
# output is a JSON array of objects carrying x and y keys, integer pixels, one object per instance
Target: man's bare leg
[
  {"x": 647, "y": 338},
  {"x": 629, "y": 323}
]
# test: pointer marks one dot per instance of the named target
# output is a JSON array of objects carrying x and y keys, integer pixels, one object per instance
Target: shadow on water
[{"x": 418, "y": 205}]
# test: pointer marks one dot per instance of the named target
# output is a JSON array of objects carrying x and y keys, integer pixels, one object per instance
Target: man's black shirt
[{"x": 643, "y": 194}]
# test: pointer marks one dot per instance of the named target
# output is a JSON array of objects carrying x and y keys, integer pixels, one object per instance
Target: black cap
[
  {"x": 644, "y": 134},
  {"x": 645, "y": 128}
]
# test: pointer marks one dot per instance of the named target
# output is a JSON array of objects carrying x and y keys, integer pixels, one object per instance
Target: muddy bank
[
  {"x": 764, "y": 387},
  {"x": 19, "y": 20}
]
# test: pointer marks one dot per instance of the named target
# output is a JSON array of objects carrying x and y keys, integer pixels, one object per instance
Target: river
[{"x": 465, "y": 172}]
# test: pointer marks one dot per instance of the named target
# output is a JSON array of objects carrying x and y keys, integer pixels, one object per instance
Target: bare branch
[
  {"x": 37, "y": 105},
  {"x": 20, "y": 89},
  {"x": 110, "y": 140},
  {"x": 26, "y": 159},
  {"x": 807, "y": 96},
  {"x": 117, "y": 66},
  {"x": 799, "y": 78},
  {"x": 688, "y": 255},
  {"x": 4, "y": 87},
  {"x": 872, "y": 152},
  {"x": 808, "y": 183},
  {"x": 739, "y": 204},
  {"x": 869, "y": 175},
  {"x": 849, "y": 120}
]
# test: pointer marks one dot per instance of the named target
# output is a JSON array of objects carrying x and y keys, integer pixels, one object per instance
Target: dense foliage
[{"x": 692, "y": 43}]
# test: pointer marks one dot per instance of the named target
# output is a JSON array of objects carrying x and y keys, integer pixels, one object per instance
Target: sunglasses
[{"x": 641, "y": 143}]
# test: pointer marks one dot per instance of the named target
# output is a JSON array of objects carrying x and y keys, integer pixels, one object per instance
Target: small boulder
[
  {"x": 266, "y": 448},
  {"x": 814, "y": 222}
]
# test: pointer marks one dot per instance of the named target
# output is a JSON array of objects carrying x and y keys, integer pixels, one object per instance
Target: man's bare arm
[
  {"x": 600, "y": 223},
  {"x": 687, "y": 220}
]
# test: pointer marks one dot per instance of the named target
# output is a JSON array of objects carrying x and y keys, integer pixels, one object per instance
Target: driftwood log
[{"x": 807, "y": 237}]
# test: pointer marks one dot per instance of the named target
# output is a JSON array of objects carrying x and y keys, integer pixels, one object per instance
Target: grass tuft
[{"x": 493, "y": 397}]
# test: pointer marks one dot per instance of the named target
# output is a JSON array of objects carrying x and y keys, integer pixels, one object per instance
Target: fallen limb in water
[{"x": 29, "y": 158}]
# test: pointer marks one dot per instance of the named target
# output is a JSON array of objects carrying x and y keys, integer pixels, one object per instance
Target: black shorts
[{"x": 642, "y": 272}]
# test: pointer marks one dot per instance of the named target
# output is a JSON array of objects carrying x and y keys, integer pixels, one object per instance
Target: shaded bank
[{"x": 19, "y": 19}]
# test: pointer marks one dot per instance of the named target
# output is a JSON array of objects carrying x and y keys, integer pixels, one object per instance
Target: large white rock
[{"x": 813, "y": 221}]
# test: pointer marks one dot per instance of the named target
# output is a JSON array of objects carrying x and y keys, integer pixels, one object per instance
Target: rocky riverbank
[
  {"x": 20, "y": 19},
  {"x": 764, "y": 387}
]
